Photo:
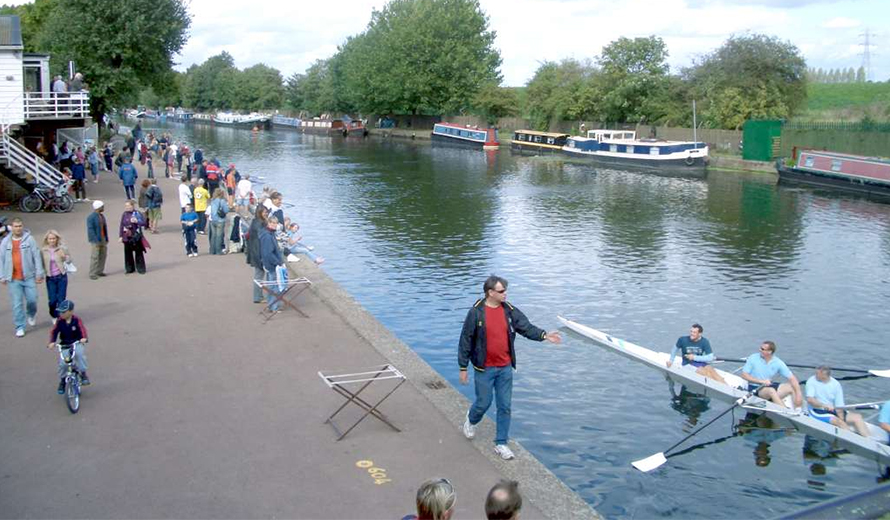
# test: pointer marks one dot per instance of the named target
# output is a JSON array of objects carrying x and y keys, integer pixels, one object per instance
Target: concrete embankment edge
[{"x": 538, "y": 484}]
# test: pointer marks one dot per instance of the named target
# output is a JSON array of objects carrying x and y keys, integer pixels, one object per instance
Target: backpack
[
  {"x": 158, "y": 196},
  {"x": 220, "y": 213}
]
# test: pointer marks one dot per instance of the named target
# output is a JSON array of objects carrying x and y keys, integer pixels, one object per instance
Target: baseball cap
[
  {"x": 98, "y": 204},
  {"x": 65, "y": 306}
]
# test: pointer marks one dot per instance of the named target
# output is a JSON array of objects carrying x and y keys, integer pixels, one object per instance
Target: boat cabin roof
[
  {"x": 543, "y": 134},
  {"x": 838, "y": 155},
  {"x": 615, "y": 135}
]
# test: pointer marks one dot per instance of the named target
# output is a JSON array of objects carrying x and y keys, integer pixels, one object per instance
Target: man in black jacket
[
  {"x": 254, "y": 257},
  {"x": 486, "y": 341}
]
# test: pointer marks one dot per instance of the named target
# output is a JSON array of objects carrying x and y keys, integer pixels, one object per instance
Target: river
[{"x": 412, "y": 230}]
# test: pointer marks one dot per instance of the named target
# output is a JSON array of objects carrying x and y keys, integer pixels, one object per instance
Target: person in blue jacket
[
  {"x": 128, "y": 175},
  {"x": 271, "y": 256},
  {"x": 79, "y": 174}
]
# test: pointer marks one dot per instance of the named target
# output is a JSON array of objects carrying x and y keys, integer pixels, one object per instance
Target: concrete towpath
[{"x": 198, "y": 410}]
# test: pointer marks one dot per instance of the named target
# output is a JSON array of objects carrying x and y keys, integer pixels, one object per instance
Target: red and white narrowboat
[{"x": 867, "y": 175}]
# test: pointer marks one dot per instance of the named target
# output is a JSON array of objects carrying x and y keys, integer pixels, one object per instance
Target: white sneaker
[
  {"x": 504, "y": 451},
  {"x": 293, "y": 258},
  {"x": 469, "y": 429},
  {"x": 19, "y": 333},
  {"x": 32, "y": 320}
]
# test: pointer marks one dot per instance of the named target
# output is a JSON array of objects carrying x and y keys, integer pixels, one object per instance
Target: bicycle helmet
[{"x": 65, "y": 306}]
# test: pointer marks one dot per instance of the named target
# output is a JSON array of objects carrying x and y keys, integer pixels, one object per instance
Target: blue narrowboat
[
  {"x": 290, "y": 122},
  {"x": 622, "y": 148},
  {"x": 486, "y": 138}
]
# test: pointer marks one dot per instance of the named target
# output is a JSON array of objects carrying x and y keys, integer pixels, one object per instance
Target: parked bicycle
[
  {"x": 55, "y": 198},
  {"x": 73, "y": 377}
]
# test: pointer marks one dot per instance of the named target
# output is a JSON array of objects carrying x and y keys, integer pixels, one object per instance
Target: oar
[
  {"x": 878, "y": 373},
  {"x": 861, "y": 406},
  {"x": 654, "y": 461}
]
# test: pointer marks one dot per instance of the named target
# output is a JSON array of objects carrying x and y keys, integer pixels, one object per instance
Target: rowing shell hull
[{"x": 873, "y": 448}]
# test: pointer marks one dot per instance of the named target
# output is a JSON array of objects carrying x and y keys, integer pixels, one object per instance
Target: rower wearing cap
[
  {"x": 695, "y": 350},
  {"x": 759, "y": 370},
  {"x": 826, "y": 400}
]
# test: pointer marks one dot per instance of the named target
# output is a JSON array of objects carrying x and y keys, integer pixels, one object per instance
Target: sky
[{"x": 290, "y": 35}]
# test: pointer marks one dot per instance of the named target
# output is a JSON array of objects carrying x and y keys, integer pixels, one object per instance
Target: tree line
[
  {"x": 419, "y": 57},
  {"x": 841, "y": 75}
]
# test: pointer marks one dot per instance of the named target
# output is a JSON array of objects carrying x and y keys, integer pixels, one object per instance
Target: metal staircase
[{"x": 24, "y": 167}]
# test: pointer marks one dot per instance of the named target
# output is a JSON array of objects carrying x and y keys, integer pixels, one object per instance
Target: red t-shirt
[{"x": 497, "y": 352}]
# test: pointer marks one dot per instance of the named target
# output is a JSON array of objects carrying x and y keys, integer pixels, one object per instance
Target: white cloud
[{"x": 841, "y": 23}]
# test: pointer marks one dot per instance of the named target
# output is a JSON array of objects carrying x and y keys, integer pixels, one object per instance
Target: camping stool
[
  {"x": 341, "y": 383},
  {"x": 285, "y": 295}
]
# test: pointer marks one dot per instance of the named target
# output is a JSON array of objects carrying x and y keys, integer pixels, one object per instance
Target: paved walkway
[{"x": 197, "y": 410}]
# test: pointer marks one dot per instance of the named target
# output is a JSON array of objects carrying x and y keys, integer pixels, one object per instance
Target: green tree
[
  {"x": 133, "y": 49},
  {"x": 313, "y": 91},
  {"x": 259, "y": 87},
  {"x": 493, "y": 102},
  {"x": 860, "y": 75},
  {"x": 750, "y": 76},
  {"x": 634, "y": 73},
  {"x": 420, "y": 57},
  {"x": 561, "y": 91},
  {"x": 33, "y": 17},
  {"x": 210, "y": 85}
]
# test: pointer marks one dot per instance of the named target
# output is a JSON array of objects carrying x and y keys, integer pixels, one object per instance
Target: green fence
[
  {"x": 762, "y": 139},
  {"x": 865, "y": 138}
]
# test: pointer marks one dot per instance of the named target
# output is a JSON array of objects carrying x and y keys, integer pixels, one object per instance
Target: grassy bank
[{"x": 847, "y": 102}]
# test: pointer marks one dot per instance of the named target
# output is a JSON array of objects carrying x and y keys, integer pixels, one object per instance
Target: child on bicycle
[{"x": 70, "y": 330}]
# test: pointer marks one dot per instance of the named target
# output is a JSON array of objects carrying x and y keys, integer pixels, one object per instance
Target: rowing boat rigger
[{"x": 873, "y": 447}]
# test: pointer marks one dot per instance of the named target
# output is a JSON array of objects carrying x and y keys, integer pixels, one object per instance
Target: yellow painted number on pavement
[{"x": 378, "y": 474}]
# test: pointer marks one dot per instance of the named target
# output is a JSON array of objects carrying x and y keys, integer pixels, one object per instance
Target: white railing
[
  {"x": 56, "y": 105},
  {"x": 14, "y": 154}
]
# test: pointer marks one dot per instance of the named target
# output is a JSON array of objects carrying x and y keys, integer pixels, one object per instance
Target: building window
[
  {"x": 613, "y": 147},
  {"x": 551, "y": 140},
  {"x": 836, "y": 165},
  {"x": 630, "y": 149},
  {"x": 808, "y": 162},
  {"x": 653, "y": 150}
]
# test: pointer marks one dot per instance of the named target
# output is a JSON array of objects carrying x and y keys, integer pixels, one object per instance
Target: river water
[{"x": 412, "y": 230}]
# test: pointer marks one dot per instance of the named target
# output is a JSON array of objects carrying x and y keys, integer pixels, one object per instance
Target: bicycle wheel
[
  {"x": 72, "y": 394},
  {"x": 63, "y": 204},
  {"x": 31, "y": 203}
]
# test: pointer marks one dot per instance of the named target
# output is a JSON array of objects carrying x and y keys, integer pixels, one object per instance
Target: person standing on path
[
  {"x": 486, "y": 341},
  {"x": 185, "y": 193},
  {"x": 271, "y": 258},
  {"x": 127, "y": 174},
  {"x": 254, "y": 258},
  {"x": 54, "y": 257},
  {"x": 202, "y": 199},
  {"x": 130, "y": 234},
  {"x": 93, "y": 159},
  {"x": 97, "y": 235},
  {"x": 219, "y": 208},
  {"x": 242, "y": 195},
  {"x": 189, "y": 220},
  {"x": 154, "y": 198},
  {"x": 79, "y": 174},
  {"x": 21, "y": 269},
  {"x": 108, "y": 155}
]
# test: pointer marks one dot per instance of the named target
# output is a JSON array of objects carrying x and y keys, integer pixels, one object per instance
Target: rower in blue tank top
[
  {"x": 759, "y": 371},
  {"x": 884, "y": 418}
]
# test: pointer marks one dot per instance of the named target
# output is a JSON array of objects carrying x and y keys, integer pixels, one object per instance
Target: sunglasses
[{"x": 502, "y": 291}]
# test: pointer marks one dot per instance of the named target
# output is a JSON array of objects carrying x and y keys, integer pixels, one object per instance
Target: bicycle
[
  {"x": 73, "y": 377},
  {"x": 55, "y": 198}
]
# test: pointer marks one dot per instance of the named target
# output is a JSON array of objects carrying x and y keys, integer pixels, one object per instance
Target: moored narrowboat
[
  {"x": 289, "y": 122},
  {"x": 346, "y": 127},
  {"x": 450, "y": 133},
  {"x": 622, "y": 148},
  {"x": 865, "y": 175},
  {"x": 532, "y": 141}
]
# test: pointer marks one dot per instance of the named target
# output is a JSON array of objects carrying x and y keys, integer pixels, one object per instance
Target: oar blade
[
  {"x": 880, "y": 373},
  {"x": 649, "y": 463}
]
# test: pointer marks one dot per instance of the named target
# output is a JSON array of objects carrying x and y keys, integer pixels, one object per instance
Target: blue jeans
[
  {"x": 56, "y": 291},
  {"x": 259, "y": 274},
  {"x": 300, "y": 248},
  {"x": 272, "y": 277},
  {"x": 131, "y": 191},
  {"x": 217, "y": 237},
  {"x": 22, "y": 290},
  {"x": 500, "y": 381},
  {"x": 80, "y": 361}
]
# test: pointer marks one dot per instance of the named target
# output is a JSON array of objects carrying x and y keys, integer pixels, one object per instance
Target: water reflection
[{"x": 690, "y": 404}]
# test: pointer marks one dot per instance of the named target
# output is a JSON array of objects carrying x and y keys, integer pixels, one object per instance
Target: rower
[
  {"x": 826, "y": 399},
  {"x": 759, "y": 370},
  {"x": 695, "y": 350},
  {"x": 884, "y": 418}
]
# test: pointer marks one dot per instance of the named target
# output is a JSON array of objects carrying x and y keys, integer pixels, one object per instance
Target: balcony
[{"x": 56, "y": 105}]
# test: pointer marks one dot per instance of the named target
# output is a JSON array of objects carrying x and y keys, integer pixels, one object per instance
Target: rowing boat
[{"x": 873, "y": 447}]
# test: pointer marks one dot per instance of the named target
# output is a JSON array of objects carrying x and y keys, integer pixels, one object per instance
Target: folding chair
[
  {"x": 282, "y": 292},
  {"x": 341, "y": 384}
]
